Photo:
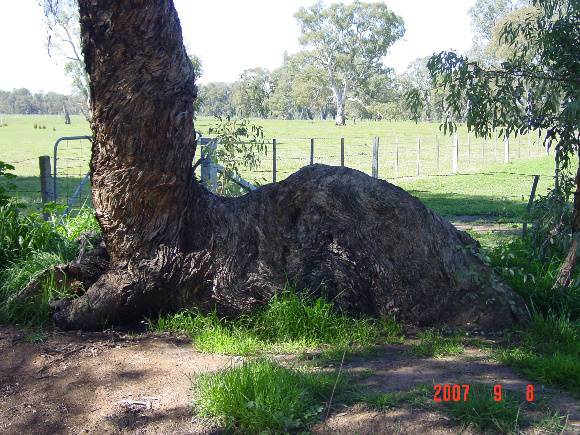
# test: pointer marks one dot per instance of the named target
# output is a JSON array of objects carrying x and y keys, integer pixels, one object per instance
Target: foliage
[
  {"x": 22, "y": 101},
  {"x": 290, "y": 322},
  {"x": 64, "y": 40},
  {"x": 263, "y": 397},
  {"x": 518, "y": 263},
  {"x": 251, "y": 92},
  {"x": 486, "y": 18},
  {"x": 5, "y": 184},
  {"x": 28, "y": 247},
  {"x": 522, "y": 96},
  {"x": 547, "y": 349},
  {"x": 349, "y": 43},
  {"x": 215, "y": 100},
  {"x": 240, "y": 146},
  {"x": 551, "y": 231}
]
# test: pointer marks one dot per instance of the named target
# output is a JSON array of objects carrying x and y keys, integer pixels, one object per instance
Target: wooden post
[
  {"x": 506, "y": 149},
  {"x": 418, "y": 156},
  {"x": 397, "y": 157},
  {"x": 208, "y": 167},
  {"x": 437, "y": 150},
  {"x": 455, "y": 154},
  {"x": 273, "y": 160},
  {"x": 46, "y": 193},
  {"x": 375, "y": 159},
  {"x": 312, "y": 151},
  {"x": 341, "y": 151},
  {"x": 530, "y": 202},
  {"x": 469, "y": 149}
]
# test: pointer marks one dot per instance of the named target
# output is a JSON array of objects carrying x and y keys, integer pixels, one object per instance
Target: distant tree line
[
  {"x": 298, "y": 90},
  {"x": 22, "y": 101}
]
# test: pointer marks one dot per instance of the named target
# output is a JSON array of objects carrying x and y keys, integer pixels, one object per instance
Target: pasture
[{"x": 484, "y": 185}]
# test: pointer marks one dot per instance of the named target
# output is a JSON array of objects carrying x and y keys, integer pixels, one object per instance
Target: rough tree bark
[{"x": 364, "y": 243}]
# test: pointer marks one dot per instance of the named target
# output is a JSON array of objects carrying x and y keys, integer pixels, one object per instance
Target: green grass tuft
[
  {"x": 483, "y": 412},
  {"x": 262, "y": 396},
  {"x": 548, "y": 350},
  {"x": 291, "y": 322},
  {"x": 432, "y": 343}
]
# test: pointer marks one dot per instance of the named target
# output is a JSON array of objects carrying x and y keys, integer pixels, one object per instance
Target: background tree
[
  {"x": 197, "y": 72},
  {"x": 535, "y": 90},
  {"x": 62, "y": 19},
  {"x": 251, "y": 92},
  {"x": 485, "y": 16},
  {"x": 216, "y": 99},
  {"x": 349, "y": 43}
]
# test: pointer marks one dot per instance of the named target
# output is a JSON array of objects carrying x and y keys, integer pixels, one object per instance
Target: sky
[{"x": 229, "y": 36}]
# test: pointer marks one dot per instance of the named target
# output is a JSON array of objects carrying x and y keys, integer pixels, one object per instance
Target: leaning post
[
  {"x": 46, "y": 191},
  {"x": 375, "y": 161},
  {"x": 455, "y": 153}
]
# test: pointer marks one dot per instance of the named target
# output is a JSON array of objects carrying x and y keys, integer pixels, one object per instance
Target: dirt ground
[{"x": 111, "y": 383}]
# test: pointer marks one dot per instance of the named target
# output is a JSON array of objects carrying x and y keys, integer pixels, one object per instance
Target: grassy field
[{"x": 484, "y": 185}]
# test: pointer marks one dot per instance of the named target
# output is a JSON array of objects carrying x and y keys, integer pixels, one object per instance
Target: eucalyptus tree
[
  {"x": 170, "y": 244},
  {"x": 535, "y": 90},
  {"x": 349, "y": 43}
]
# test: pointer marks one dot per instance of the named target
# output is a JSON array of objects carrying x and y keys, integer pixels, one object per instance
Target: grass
[
  {"x": 262, "y": 396},
  {"x": 548, "y": 348},
  {"x": 433, "y": 344},
  {"x": 291, "y": 322},
  {"x": 487, "y": 188},
  {"x": 419, "y": 396},
  {"x": 483, "y": 412},
  {"x": 29, "y": 246}
]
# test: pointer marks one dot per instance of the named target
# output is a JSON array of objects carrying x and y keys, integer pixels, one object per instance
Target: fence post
[
  {"x": 375, "y": 161},
  {"x": 312, "y": 151},
  {"x": 437, "y": 149},
  {"x": 506, "y": 149},
  {"x": 530, "y": 202},
  {"x": 469, "y": 149},
  {"x": 208, "y": 167},
  {"x": 273, "y": 160},
  {"x": 341, "y": 151},
  {"x": 397, "y": 157},
  {"x": 46, "y": 192},
  {"x": 418, "y": 156},
  {"x": 455, "y": 153}
]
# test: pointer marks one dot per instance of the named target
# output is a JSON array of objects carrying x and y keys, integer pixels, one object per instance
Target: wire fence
[{"x": 394, "y": 157}]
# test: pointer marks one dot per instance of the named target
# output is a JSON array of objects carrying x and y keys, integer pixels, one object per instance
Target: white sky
[{"x": 228, "y": 35}]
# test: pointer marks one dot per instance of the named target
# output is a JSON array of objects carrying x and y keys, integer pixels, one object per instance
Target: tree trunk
[
  {"x": 340, "y": 118},
  {"x": 66, "y": 115},
  {"x": 365, "y": 244},
  {"x": 567, "y": 269}
]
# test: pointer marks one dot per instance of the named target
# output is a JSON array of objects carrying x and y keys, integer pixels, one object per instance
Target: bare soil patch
[{"x": 113, "y": 383}]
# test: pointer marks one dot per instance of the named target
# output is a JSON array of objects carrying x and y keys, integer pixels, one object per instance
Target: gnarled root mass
[{"x": 365, "y": 244}]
